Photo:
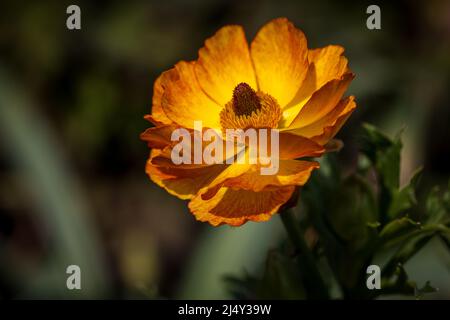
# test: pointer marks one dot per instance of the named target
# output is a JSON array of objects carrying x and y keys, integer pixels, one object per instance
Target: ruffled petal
[
  {"x": 235, "y": 207},
  {"x": 280, "y": 56},
  {"x": 248, "y": 176},
  {"x": 184, "y": 101},
  {"x": 290, "y": 173},
  {"x": 182, "y": 181},
  {"x": 223, "y": 63},
  {"x": 329, "y": 64}
]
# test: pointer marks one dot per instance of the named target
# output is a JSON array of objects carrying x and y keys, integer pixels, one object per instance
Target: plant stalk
[{"x": 310, "y": 273}]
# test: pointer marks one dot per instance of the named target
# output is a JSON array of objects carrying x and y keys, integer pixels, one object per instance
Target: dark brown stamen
[{"x": 245, "y": 100}]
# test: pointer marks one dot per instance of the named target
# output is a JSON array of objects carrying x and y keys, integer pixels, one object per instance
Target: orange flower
[{"x": 276, "y": 83}]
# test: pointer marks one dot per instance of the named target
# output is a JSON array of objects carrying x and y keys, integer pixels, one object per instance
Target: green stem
[{"x": 311, "y": 275}]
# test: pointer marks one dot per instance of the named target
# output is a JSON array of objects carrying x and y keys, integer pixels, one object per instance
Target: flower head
[{"x": 277, "y": 84}]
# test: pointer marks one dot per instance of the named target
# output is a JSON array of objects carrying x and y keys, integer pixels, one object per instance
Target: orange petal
[
  {"x": 235, "y": 207},
  {"x": 158, "y": 116},
  {"x": 322, "y": 101},
  {"x": 330, "y": 131},
  {"x": 164, "y": 160},
  {"x": 329, "y": 64},
  {"x": 185, "y": 102},
  {"x": 183, "y": 182},
  {"x": 325, "y": 64},
  {"x": 158, "y": 137},
  {"x": 324, "y": 129},
  {"x": 280, "y": 56},
  {"x": 291, "y": 146},
  {"x": 232, "y": 171},
  {"x": 223, "y": 63},
  {"x": 294, "y": 146},
  {"x": 291, "y": 172}
]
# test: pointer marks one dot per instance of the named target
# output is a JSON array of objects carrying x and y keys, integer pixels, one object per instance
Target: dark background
[{"x": 72, "y": 183}]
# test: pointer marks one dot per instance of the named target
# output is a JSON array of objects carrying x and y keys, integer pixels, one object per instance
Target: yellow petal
[
  {"x": 185, "y": 102},
  {"x": 223, "y": 63},
  {"x": 329, "y": 64},
  {"x": 232, "y": 171},
  {"x": 235, "y": 207},
  {"x": 322, "y": 101},
  {"x": 325, "y": 64},
  {"x": 280, "y": 56}
]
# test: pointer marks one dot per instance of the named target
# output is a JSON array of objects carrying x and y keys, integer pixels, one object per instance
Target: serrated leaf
[
  {"x": 372, "y": 140},
  {"x": 384, "y": 154},
  {"x": 388, "y": 166},
  {"x": 405, "y": 198}
]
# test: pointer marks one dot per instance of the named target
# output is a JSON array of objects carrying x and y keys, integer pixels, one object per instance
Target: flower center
[
  {"x": 250, "y": 109},
  {"x": 245, "y": 100}
]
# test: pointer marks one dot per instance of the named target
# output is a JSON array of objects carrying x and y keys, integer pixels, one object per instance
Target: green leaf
[
  {"x": 437, "y": 207},
  {"x": 408, "y": 249},
  {"x": 372, "y": 140},
  {"x": 388, "y": 166},
  {"x": 405, "y": 199},
  {"x": 397, "y": 230},
  {"x": 384, "y": 154}
]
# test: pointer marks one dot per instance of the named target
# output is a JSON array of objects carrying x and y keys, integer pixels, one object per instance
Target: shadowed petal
[
  {"x": 183, "y": 181},
  {"x": 291, "y": 172},
  {"x": 235, "y": 207},
  {"x": 294, "y": 146}
]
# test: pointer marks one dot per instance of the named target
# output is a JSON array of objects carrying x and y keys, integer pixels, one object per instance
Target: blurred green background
[{"x": 72, "y": 183}]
